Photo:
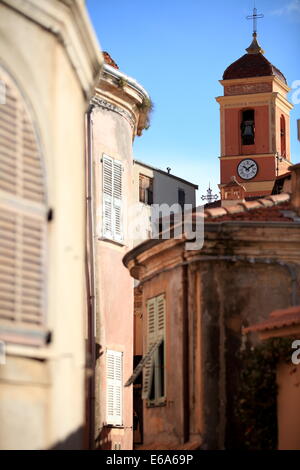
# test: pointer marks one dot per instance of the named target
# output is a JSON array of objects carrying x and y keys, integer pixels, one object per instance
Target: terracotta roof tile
[
  {"x": 108, "y": 60},
  {"x": 266, "y": 202},
  {"x": 216, "y": 212},
  {"x": 253, "y": 205},
  {"x": 272, "y": 208},
  {"x": 236, "y": 209},
  {"x": 278, "y": 319},
  {"x": 279, "y": 198}
]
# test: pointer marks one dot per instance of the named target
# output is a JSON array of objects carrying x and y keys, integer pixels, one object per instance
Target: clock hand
[{"x": 248, "y": 167}]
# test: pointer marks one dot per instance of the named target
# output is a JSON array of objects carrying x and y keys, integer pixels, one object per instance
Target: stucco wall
[
  {"x": 288, "y": 406},
  {"x": 167, "y": 421},
  {"x": 42, "y": 390},
  {"x": 242, "y": 273},
  {"x": 112, "y": 135}
]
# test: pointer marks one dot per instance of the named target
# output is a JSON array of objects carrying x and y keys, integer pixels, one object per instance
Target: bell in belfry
[{"x": 247, "y": 128}]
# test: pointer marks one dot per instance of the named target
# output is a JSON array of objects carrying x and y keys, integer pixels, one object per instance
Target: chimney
[{"x": 295, "y": 196}]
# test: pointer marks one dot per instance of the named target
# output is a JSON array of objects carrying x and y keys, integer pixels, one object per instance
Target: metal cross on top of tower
[{"x": 255, "y": 17}]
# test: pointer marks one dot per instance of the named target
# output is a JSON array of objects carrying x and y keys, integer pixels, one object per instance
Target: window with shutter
[
  {"x": 23, "y": 211},
  {"x": 114, "y": 387},
  {"x": 107, "y": 163},
  {"x": 146, "y": 189},
  {"x": 154, "y": 368},
  {"x": 112, "y": 199},
  {"x": 117, "y": 200}
]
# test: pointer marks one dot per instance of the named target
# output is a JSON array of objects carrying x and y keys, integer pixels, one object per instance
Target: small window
[
  {"x": 248, "y": 127},
  {"x": 181, "y": 198},
  {"x": 282, "y": 136},
  {"x": 146, "y": 189},
  {"x": 114, "y": 387},
  {"x": 154, "y": 386}
]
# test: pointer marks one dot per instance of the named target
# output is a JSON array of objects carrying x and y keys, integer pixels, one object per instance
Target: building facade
[
  {"x": 118, "y": 112},
  {"x": 161, "y": 188},
  {"x": 122, "y": 191},
  {"x": 50, "y": 60}
]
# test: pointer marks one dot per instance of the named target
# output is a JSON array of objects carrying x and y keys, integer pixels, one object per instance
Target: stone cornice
[
  {"x": 101, "y": 103},
  {"x": 245, "y": 81},
  {"x": 69, "y": 22},
  {"x": 236, "y": 99}
]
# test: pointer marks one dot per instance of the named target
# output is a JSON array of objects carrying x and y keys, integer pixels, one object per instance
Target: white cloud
[{"x": 292, "y": 8}]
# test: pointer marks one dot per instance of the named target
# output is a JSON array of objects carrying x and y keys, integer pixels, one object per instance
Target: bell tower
[{"x": 255, "y": 122}]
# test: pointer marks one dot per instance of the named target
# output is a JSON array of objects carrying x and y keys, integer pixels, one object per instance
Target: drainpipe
[
  {"x": 90, "y": 264},
  {"x": 185, "y": 366}
]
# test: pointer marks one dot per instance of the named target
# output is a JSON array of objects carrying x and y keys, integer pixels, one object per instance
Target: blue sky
[{"x": 178, "y": 50}]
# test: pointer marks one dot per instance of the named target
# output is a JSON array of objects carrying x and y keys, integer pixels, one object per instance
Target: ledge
[{"x": 25, "y": 336}]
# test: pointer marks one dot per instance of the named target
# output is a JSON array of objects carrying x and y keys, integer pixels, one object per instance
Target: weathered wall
[
  {"x": 167, "y": 421},
  {"x": 112, "y": 135},
  {"x": 243, "y": 294},
  {"x": 243, "y": 272},
  {"x": 288, "y": 406}
]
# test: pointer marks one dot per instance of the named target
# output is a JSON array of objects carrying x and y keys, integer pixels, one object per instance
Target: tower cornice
[{"x": 263, "y": 79}]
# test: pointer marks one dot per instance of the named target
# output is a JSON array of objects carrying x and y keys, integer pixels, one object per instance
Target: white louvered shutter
[
  {"x": 114, "y": 389},
  {"x": 160, "y": 328},
  {"x": 161, "y": 316},
  {"x": 118, "y": 199},
  {"x": 22, "y": 214},
  {"x": 107, "y": 182},
  {"x": 151, "y": 338}
]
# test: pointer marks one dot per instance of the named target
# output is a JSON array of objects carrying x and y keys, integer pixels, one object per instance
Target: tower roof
[{"x": 253, "y": 64}]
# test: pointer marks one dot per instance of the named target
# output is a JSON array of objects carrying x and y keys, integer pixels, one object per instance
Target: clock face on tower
[{"x": 247, "y": 169}]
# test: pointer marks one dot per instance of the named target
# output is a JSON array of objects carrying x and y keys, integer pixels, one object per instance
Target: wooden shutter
[
  {"x": 118, "y": 200},
  {"x": 143, "y": 362},
  {"x": 112, "y": 198},
  {"x": 114, "y": 379},
  {"x": 151, "y": 338},
  {"x": 156, "y": 320},
  {"x": 107, "y": 163},
  {"x": 160, "y": 325},
  {"x": 161, "y": 316},
  {"x": 22, "y": 213}
]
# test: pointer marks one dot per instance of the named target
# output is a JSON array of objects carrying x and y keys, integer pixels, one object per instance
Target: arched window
[
  {"x": 282, "y": 136},
  {"x": 23, "y": 210},
  {"x": 248, "y": 127}
]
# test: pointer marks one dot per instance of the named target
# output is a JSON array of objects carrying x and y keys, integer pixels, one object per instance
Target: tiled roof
[
  {"x": 270, "y": 208},
  {"x": 108, "y": 60},
  {"x": 252, "y": 65},
  {"x": 278, "y": 319}
]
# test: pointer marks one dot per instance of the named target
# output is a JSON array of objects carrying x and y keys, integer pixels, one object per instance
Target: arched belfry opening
[
  {"x": 282, "y": 136},
  {"x": 248, "y": 127}
]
